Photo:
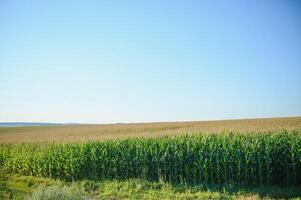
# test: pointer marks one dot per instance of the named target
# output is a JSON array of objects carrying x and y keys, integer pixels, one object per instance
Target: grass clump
[
  {"x": 139, "y": 189},
  {"x": 55, "y": 193}
]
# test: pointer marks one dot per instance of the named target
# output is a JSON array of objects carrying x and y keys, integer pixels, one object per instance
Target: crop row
[{"x": 244, "y": 159}]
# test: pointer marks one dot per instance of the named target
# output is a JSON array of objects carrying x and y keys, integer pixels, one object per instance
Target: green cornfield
[{"x": 266, "y": 158}]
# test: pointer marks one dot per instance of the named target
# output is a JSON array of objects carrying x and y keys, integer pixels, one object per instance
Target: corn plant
[{"x": 270, "y": 158}]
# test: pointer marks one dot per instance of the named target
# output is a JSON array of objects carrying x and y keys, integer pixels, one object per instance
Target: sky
[{"x": 145, "y": 61}]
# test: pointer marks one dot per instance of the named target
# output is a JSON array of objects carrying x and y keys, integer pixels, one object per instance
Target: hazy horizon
[
  {"x": 131, "y": 62},
  {"x": 142, "y": 122}
]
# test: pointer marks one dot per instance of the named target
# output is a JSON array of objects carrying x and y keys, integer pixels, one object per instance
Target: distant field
[{"x": 73, "y": 133}]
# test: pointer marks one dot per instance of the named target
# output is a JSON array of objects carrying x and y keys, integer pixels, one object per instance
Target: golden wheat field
[{"x": 74, "y": 133}]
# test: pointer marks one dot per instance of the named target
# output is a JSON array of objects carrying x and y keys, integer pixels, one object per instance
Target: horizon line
[{"x": 144, "y": 122}]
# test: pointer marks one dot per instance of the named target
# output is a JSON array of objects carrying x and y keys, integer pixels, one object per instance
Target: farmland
[
  {"x": 190, "y": 160},
  {"x": 74, "y": 133}
]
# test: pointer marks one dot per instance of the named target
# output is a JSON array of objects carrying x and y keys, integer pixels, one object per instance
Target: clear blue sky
[{"x": 136, "y": 61}]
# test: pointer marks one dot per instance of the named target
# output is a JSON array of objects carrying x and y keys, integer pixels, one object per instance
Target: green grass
[{"x": 20, "y": 187}]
